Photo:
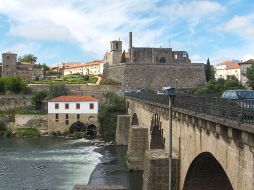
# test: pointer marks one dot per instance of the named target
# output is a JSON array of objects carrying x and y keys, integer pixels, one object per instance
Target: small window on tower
[
  {"x": 116, "y": 45},
  {"x": 7, "y": 57}
]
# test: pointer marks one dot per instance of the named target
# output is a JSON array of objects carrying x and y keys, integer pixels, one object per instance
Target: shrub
[
  {"x": 109, "y": 82},
  {"x": 114, "y": 106},
  {"x": 27, "y": 132},
  {"x": 38, "y": 97},
  {"x": 56, "y": 90}
]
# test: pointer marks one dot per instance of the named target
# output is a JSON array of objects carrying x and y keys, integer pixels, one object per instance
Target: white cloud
[
  {"x": 40, "y": 30},
  {"x": 193, "y": 11},
  {"x": 240, "y": 25},
  {"x": 92, "y": 24}
]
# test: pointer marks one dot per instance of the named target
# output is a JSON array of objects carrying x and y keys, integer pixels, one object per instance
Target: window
[
  {"x": 116, "y": 45},
  {"x": 78, "y": 106},
  {"x": 7, "y": 57},
  {"x": 56, "y": 106},
  {"x": 56, "y": 117},
  {"x": 67, "y": 116},
  {"x": 91, "y": 106},
  {"x": 78, "y": 116},
  {"x": 66, "y": 106},
  {"x": 66, "y": 122}
]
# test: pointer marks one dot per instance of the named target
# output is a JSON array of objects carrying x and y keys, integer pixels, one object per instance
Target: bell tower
[{"x": 116, "y": 51}]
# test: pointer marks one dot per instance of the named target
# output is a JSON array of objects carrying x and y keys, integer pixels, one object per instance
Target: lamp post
[
  {"x": 170, "y": 141},
  {"x": 176, "y": 85}
]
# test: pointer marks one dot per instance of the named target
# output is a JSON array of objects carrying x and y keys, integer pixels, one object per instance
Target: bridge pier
[
  {"x": 122, "y": 129},
  {"x": 137, "y": 145},
  {"x": 156, "y": 171}
]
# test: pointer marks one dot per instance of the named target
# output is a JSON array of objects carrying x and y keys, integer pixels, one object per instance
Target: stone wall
[
  {"x": 16, "y": 101},
  {"x": 122, "y": 129},
  {"x": 137, "y": 146},
  {"x": 81, "y": 89},
  {"x": 134, "y": 76},
  {"x": 60, "y": 125},
  {"x": 31, "y": 121}
]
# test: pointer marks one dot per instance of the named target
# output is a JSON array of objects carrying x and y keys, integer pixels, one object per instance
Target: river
[{"x": 59, "y": 163}]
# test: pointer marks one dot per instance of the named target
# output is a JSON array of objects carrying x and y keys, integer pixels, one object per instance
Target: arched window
[{"x": 162, "y": 60}]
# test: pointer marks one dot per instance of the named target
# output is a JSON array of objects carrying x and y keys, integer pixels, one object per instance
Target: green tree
[
  {"x": 56, "y": 90},
  {"x": 208, "y": 71},
  {"x": 28, "y": 58},
  {"x": 250, "y": 76},
  {"x": 2, "y": 85},
  {"x": 113, "y": 106},
  {"x": 123, "y": 57},
  {"x": 15, "y": 84},
  {"x": 217, "y": 87},
  {"x": 38, "y": 98}
]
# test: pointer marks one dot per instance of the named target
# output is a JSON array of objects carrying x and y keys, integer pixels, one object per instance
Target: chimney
[
  {"x": 130, "y": 40},
  {"x": 130, "y": 45}
]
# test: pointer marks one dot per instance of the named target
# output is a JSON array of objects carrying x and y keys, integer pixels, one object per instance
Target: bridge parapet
[
  {"x": 240, "y": 132},
  {"x": 204, "y": 134}
]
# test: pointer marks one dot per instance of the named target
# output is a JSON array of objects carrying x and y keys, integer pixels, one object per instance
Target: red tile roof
[
  {"x": 73, "y": 98},
  {"x": 235, "y": 66}
]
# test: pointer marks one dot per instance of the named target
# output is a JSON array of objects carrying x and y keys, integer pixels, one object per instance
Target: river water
[{"x": 59, "y": 163}]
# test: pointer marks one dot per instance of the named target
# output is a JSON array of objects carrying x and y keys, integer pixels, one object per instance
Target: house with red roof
[
  {"x": 73, "y": 113},
  {"x": 228, "y": 68}
]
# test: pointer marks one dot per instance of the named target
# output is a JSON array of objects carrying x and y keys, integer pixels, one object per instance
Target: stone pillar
[
  {"x": 122, "y": 129},
  {"x": 156, "y": 171},
  {"x": 137, "y": 145}
]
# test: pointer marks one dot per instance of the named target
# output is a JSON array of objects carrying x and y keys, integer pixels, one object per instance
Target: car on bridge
[
  {"x": 239, "y": 94},
  {"x": 242, "y": 101}
]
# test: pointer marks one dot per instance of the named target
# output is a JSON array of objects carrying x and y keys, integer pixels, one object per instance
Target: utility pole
[{"x": 170, "y": 141}]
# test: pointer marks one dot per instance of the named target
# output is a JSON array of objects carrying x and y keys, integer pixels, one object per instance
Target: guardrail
[{"x": 237, "y": 110}]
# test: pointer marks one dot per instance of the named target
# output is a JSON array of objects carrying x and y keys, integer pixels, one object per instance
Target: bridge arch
[
  {"x": 77, "y": 127},
  {"x": 205, "y": 172},
  {"x": 134, "y": 119}
]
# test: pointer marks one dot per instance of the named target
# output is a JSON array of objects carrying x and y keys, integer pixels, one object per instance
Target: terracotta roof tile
[
  {"x": 235, "y": 66},
  {"x": 73, "y": 98}
]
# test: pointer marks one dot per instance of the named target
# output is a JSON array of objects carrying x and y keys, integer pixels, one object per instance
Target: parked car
[
  {"x": 239, "y": 94},
  {"x": 241, "y": 102}
]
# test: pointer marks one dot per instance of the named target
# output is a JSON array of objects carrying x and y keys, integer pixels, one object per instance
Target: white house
[
  {"x": 67, "y": 111},
  {"x": 227, "y": 68},
  {"x": 94, "y": 68}
]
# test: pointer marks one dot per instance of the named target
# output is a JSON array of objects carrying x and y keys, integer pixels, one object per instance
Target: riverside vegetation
[{"x": 113, "y": 106}]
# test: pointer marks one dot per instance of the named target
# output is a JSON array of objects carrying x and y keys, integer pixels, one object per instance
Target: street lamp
[
  {"x": 170, "y": 100},
  {"x": 170, "y": 92}
]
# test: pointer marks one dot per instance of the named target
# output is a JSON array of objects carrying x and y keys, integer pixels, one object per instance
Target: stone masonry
[
  {"x": 200, "y": 141},
  {"x": 61, "y": 126},
  {"x": 154, "y": 68},
  {"x": 137, "y": 145},
  {"x": 122, "y": 129}
]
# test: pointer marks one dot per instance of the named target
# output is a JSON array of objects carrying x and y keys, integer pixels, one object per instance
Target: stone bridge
[{"x": 212, "y": 148}]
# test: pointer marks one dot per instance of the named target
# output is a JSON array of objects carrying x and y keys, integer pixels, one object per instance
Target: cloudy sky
[{"x": 80, "y": 30}]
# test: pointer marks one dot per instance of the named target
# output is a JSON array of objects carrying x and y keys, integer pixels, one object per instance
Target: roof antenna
[
  {"x": 169, "y": 40},
  {"x": 155, "y": 39}
]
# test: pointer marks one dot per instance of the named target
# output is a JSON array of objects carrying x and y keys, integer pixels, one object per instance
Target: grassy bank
[{"x": 27, "y": 132}]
